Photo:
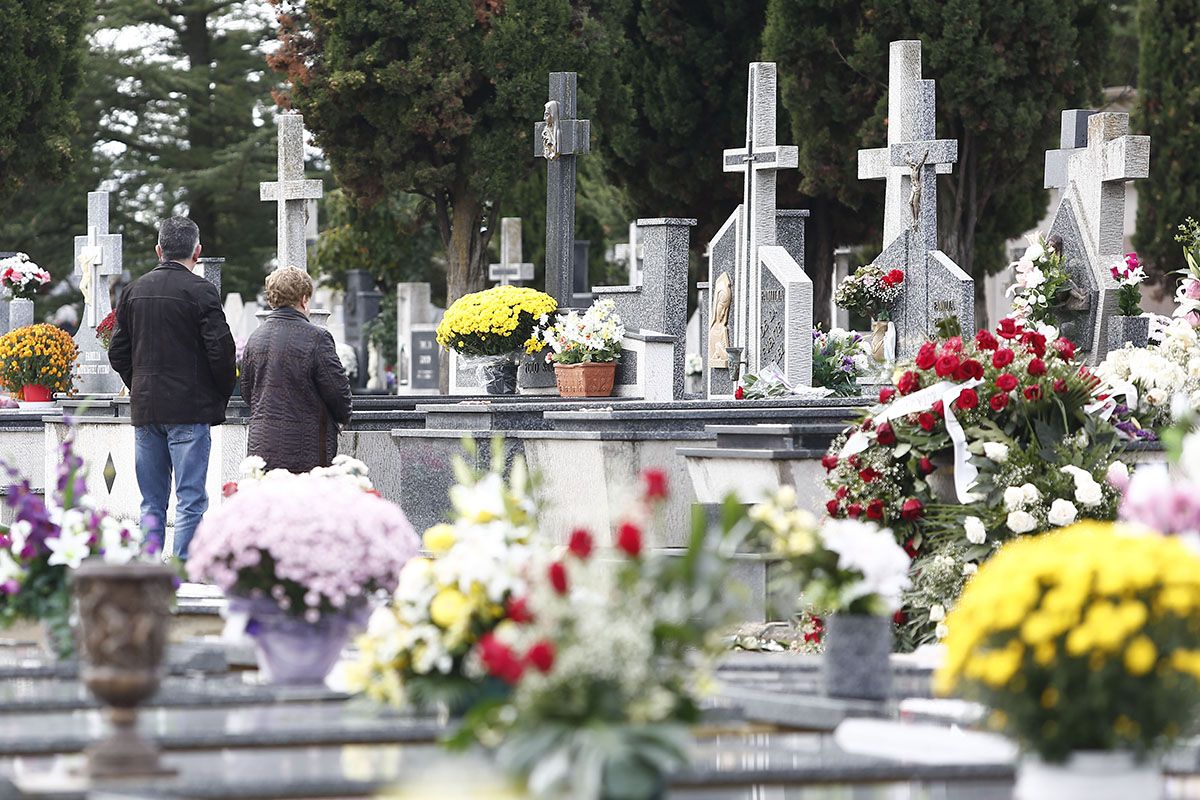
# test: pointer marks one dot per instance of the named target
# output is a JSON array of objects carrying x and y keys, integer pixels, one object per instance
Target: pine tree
[
  {"x": 439, "y": 99},
  {"x": 1169, "y": 111}
]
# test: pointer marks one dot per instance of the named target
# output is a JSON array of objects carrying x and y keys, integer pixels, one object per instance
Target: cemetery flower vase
[
  {"x": 124, "y": 611},
  {"x": 589, "y": 379},
  {"x": 1128, "y": 330},
  {"x": 498, "y": 374},
  {"x": 33, "y": 393},
  {"x": 1089, "y": 775},
  {"x": 291, "y": 650},
  {"x": 855, "y": 664}
]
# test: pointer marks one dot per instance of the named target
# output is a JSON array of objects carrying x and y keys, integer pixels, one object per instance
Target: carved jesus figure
[
  {"x": 718, "y": 329},
  {"x": 914, "y": 197},
  {"x": 550, "y": 132}
]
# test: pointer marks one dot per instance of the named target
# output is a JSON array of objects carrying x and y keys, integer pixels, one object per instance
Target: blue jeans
[{"x": 183, "y": 449}]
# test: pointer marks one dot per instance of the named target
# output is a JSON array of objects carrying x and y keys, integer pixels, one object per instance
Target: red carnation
[
  {"x": 580, "y": 543},
  {"x": 1034, "y": 342},
  {"x": 818, "y": 630},
  {"x": 925, "y": 465},
  {"x": 885, "y": 435},
  {"x": 875, "y": 509},
  {"x": 739, "y": 393},
  {"x": 1006, "y": 382},
  {"x": 1008, "y": 328},
  {"x": 985, "y": 341},
  {"x": 946, "y": 365},
  {"x": 1002, "y": 358},
  {"x": 912, "y": 509},
  {"x": 832, "y": 507},
  {"x": 1065, "y": 348},
  {"x": 998, "y": 401},
  {"x": 926, "y": 421},
  {"x": 893, "y": 277},
  {"x": 909, "y": 382},
  {"x": 886, "y": 394},
  {"x": 517, "y": 609},
  {"x": 867, "y": 475},
  {"x": 967, "y": 399},
  {"x": 541, "y": 656},
  {"x": 1037, "y": 367},
  {"x": 558, "y": 577},
  {"x": 629, "y": 539},
  {"x": 1033, "y": 392},
  {"x": 1060, "y": 386},
  {"x": 656, "y": 484},
  {"x": 829, "y": 461},
  {"x": 926, "y": 356},
  {"x": 854, "y": 510},
  {"x": 229, "y": 489}
]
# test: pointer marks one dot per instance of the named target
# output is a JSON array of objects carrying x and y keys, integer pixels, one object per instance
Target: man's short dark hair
[{"x": 178, "y": 237}]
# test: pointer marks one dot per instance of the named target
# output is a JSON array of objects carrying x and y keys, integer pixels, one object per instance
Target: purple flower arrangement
[
  {"x": 1163, "y": 503},
  {"x": 312, "y": 545}
]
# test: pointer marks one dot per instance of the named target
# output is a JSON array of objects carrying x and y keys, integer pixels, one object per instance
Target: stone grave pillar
[
  {"x": 511, "y": 270},
  {"x": 211, "y": 269},
  {"x": 416, "y": 326},
  {"x": 98, "y": 259},
  {"x": 581, "y": 282}
]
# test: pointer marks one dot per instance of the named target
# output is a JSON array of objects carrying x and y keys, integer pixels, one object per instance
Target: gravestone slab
[
  {"x": 426, "y": 364},
  {"x": 414, "y": 311},
  {"x": 210, "y": 269},
  {"x": 98, "y": 260},
  {"x": 786, "y": 316}
]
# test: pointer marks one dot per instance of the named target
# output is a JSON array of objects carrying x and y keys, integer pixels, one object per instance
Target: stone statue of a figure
[
  {"x": 550, "y": 132},
  {"x": 718, "y": 329},
  {"x": 914, "y": 197}
]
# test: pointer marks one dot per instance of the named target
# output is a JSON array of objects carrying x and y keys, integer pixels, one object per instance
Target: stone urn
[{"x": 124, "y": 613}]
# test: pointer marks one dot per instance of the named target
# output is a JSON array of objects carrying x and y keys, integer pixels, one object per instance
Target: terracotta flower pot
[{"x": 594, "y": 379}]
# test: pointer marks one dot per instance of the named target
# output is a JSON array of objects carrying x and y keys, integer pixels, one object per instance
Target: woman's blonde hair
[{"x": 287, "y": 287}]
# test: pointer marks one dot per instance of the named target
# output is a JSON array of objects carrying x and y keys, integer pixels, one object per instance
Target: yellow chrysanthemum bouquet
[
  {"x": 1083, "y": 639},
  {"x": 37, "y": 355},
  {"x": 496, "y": 321}
]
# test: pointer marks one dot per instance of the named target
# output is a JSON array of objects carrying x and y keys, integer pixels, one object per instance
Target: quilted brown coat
[{"x": 298, "y": 393}]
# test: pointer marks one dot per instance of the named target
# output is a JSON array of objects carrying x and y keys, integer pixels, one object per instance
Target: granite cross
[
  {"x": 913, "y": 149},
  {"x": 510, "y": 269},
  {"x": 291, "y": 193},
  {"x": 98, "y": 258},
  {"x": 1072, "y": 139},
  {"x": 758, "y": 161},
  {"x": 559, "y": 139}
]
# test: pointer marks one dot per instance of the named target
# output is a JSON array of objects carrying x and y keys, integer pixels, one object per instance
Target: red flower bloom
[
  {"x": 926, "y": 420},
  {"x": 853, "y": 460},
  {"x": 841, "y": 492},
  {"x": 1034, "y": 342},
  {"x": 938, "y": 408},
  {"x": 499, "y": 659},
  {"x": 1037, "y": 367},
  {"x": 925, "y": 466},
  {"x": 580, "y": 543},
  {"x": 912, "y": 509},
  {"x": 946, "y": 365},
  {"x": 926, "y": 356},
  {"x": 885, "y": 435},
  {"x": 229, "y": 489},
  {"x": 998, "y": 401},
  {"x": 868, "y": 423},
  {"x": 832, "y": 507},
  {"x": 867, "y": 475},
  {"x": 1033, "y": 392},
  {"x": 875, "y": 509},
  {"x": 629, "y": 539},
  {"x": 854, "y": 510},
  {"x": 974, "y": 367},
  {"x": 1065, "y": 348},
  {"x": 893, "y": 277},
  {"x": 1060, "y": 386},
  {"x": 985, "y": 341},
  {"x": 1008, "y": 328},
  {"x": 1002, "y": 358},
  {"x": 952, "y": 345},
  {"x": 886, "y": 394},
  {"x": 909, "y": 382},
  {"x": 911, "y": 548},
  {"x": 899, "y": 618},
  {"x": 517, "y": 609},
  {"x": 829, "y": 461},
  {"x": 558, "y": 577},
  {"x": 739, "y": 393},
  {"x": 656, "y": 484},
  {"x": 967, "y": 399},
  {"x": 541, "y": 656},
  {"x": 1006, "y": 382}
]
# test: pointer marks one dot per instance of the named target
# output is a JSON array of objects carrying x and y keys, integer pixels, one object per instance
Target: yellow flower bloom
[
  {"x": 449, "y": 608},
  {"x": 439, "y": 539},
  {"x": 1140, "y": 656}
]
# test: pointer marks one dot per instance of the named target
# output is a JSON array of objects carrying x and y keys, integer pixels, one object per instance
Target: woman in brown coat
[{"x": 293, "y": 381}]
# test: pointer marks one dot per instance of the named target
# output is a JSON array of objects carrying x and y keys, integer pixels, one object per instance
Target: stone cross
[
  {"x": 631, "y": 254},
  {"x": 913, "y": 150},
  {"x": 759, "y": 162},
  {"x": 98, "y": 258},
  {"x": 510, "y": 269},
  {"x": 291, "y": 192},
  {"x": 1090, "y": 218},
  {"x": 559, "y": 139}
]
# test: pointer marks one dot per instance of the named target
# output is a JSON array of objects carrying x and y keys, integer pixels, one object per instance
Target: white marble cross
[
  {"x": 98, "y": 258},
  {"x": 912, "y": 147},
  {"x": 510, "y": 269},
  {"x": 1095, "y": 181},
  {"x": 759, "y": 162},
  {"x": 291, "y": 192}
]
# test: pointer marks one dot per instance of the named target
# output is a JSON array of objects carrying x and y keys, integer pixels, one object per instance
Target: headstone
[
  {"x": 98, "y": 259},
  {"x": 416, "y": 322},
  {"x": 630, "y": 254},
  {"x": 581, "y": 282},
  {"x": 361, "y": 305},
  {"x": 1096, "y": 159},
  {"x": 510, "y": 270},
  {"x": 934, "y": 286},
  {"x": 211, "y": 270},
  {"x": 560, "y": 139},
  {"x": 425, "y": 366}
]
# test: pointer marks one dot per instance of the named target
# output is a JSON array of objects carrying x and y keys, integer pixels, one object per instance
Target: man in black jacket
[{"x": 174, "y": 351}]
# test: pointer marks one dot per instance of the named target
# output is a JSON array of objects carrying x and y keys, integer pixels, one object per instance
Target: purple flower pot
[{"x": 291, "y": 650}]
